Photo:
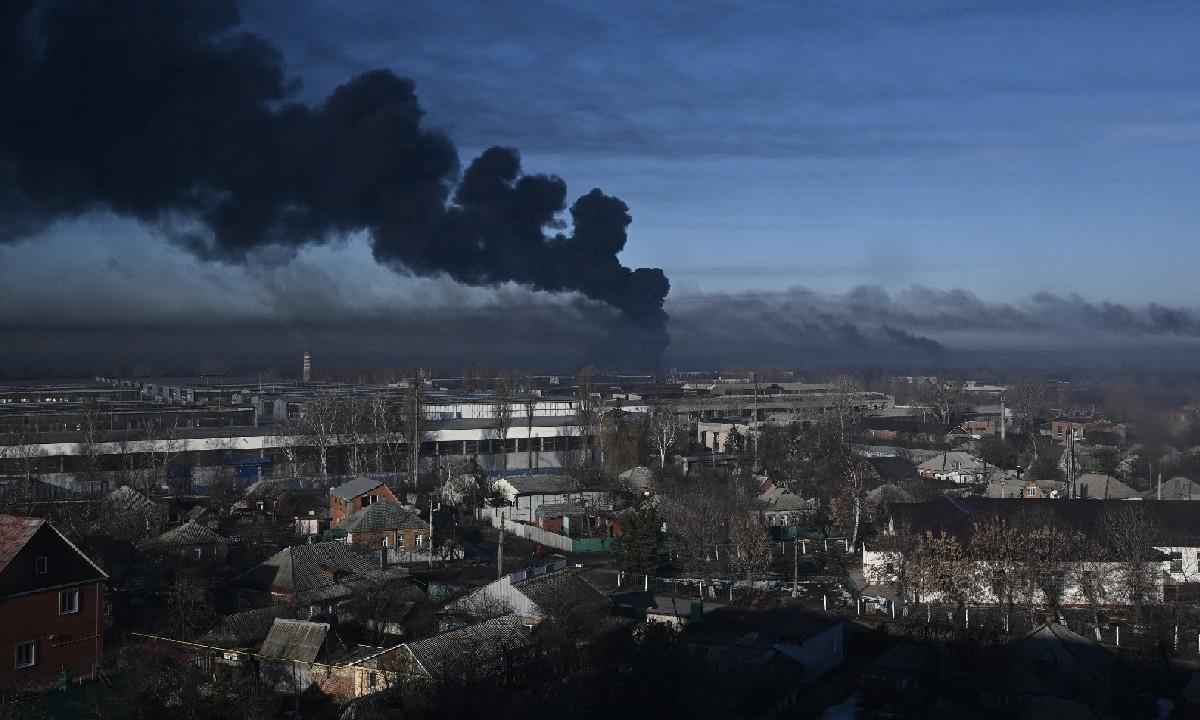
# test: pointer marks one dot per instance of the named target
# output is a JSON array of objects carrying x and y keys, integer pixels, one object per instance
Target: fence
[
  {"x": 592, "y": 545},
  {"x": 533, "y": 533},
  {"x": 400, "y": 556}
]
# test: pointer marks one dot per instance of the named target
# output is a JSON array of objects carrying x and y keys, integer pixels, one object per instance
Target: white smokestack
[{"x": 307, "y": 375}]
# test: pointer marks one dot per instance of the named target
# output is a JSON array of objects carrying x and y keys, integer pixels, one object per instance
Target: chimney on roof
[{"x": 307, "y": 372}]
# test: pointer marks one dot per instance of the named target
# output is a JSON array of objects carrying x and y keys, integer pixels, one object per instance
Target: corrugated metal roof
[
  {"x": 295, "y": 640},
  {"x": 246, "y": 628},
  {"x": 354, "y": 488},
  {"x": 540, "y": 484},
  {"x": 304, "y": 568},
  {"x": 383, "y": 516},
  {"x": 190, "y": 533},
  {"x": 470, "y": 648}
]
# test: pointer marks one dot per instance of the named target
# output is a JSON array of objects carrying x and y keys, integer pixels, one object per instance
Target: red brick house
[
  {"x": 350, "y": 497},
  {"x": 386, "y": 524},
  {"x": 51, "y": 605}
]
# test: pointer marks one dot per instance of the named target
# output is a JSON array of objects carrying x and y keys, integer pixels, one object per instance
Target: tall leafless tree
[
  {"x": 356, "y": 431},
  {"x": 387, "y": 425},
  {"x": 587, "y": 412},
  {"x": 414, "y": 424},
  {"x": 664, "y": 432},
  {"x": 163, "y": 436},
  {"x": 529, "y": 403},
  {"x": 320, "y": 423},
  {"x": 1130, "y": 533},
  {"x": 502, "y": 414},
  {"x": 88, "y": 448}
]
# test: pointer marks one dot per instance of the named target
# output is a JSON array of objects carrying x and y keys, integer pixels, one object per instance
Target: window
[
  {"x": 198, "y": 553},
  {"x": 26, "y": 654},
  {"x": 372, "y": 679},
  {"x": 370, "y": 500},
  {"x": 68, "y": 602},
  {"x": 42, "y": 564},
  {"x": 1176, "y": 562}
]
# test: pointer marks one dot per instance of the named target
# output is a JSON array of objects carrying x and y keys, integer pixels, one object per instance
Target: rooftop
[
  {"x": 329, "y": 566},
  {"x": 295, "y": 640},
  {"x": 383, "y": 516},
  {"x": 15, "y": 532},
  {"x": 469, "y": 646},
  {"x": 354, "y": 488},
  {"x": 188, "y": 534}
]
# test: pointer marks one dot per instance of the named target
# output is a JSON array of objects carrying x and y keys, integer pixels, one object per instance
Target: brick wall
[{"x": 71, "y": 643}]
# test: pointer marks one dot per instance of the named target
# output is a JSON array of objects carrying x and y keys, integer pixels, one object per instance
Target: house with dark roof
[
  {"x": 471, "y": 652},
  {"x": 783, "y": 508},
  {"x": 192, "y": 541},
  {"x": 320, "y": 575},
  {"x": 126, "y": 514},
  {"x": 51, "y": 605},
  {"x": 809, "y": 643},
  {"x": 386, "y": 524},
  {"x": 894, "y": 470},
  {"x": 1052, "y": 665},
  {"x": 247, "y": 629},
  {"x": 350, "y": 497},
  {"x": 298, "y": 640},
  {"x": 534, "y": 594},
  {"x": 911, "y": 428}
]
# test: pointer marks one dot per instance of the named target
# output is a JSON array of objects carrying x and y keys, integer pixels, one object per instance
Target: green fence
[{"x": 591, "y": 545}]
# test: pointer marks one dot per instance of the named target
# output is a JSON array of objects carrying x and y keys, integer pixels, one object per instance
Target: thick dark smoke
[
  {"x": 166, "y": 112},
  {"x": 926, "y": 328}
]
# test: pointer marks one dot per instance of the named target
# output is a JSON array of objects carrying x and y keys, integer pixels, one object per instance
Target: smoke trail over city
[{"x": 168, "y": 113}]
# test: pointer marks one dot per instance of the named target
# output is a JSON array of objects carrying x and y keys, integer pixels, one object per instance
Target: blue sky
[{"x": 1002, "y": 147}]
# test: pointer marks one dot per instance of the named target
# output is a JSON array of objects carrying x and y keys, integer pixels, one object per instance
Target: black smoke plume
[{"x": 163, "y": 110}]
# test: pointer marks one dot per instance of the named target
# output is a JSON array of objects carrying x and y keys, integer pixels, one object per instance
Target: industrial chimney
[{"x": 307, "y": 374}]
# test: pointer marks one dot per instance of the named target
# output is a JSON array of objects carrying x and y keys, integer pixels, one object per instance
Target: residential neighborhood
[{"x": 815, "y": 566}]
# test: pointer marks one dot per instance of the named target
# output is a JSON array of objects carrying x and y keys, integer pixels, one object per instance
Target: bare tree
[
  {"x": 288, "y": 437},
  {"x": 189, "y": 612},
  {"x": 996, "y": 547},
  {"x": 752, "y": 545},
  {"x": 587, "y": 411},
  {"x": 846, "y": 410},
  {"x": 1029, "y": 400},
  {"x": 695, "y": 516},
  {"x": 944, "y": 394},
  {"x": 23, "y": 450},
  {"x": 664, "y": 432},
  {"x": 529, "y": 403},
  {"x": 946, "y": 568},
  {"x": 162, "y": 435},
  {"x": 90, "y": 437},
  {"x": 414, "y": 424},
  {"x": 356, "y": 429},
  {"x": 1131, "y": 532},
  {"x": 387, "y": 425},
  {"x": 502, "y": 415},
  {"x": 320, "y": 424}
]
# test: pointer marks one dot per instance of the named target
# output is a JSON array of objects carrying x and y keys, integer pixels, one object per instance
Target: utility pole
[
  {"x": 431, "y": 529},
  {"x": 500, "y": 550},
  {"x": 795, "y": 570},
  {"x": 754, "y": 427}
]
